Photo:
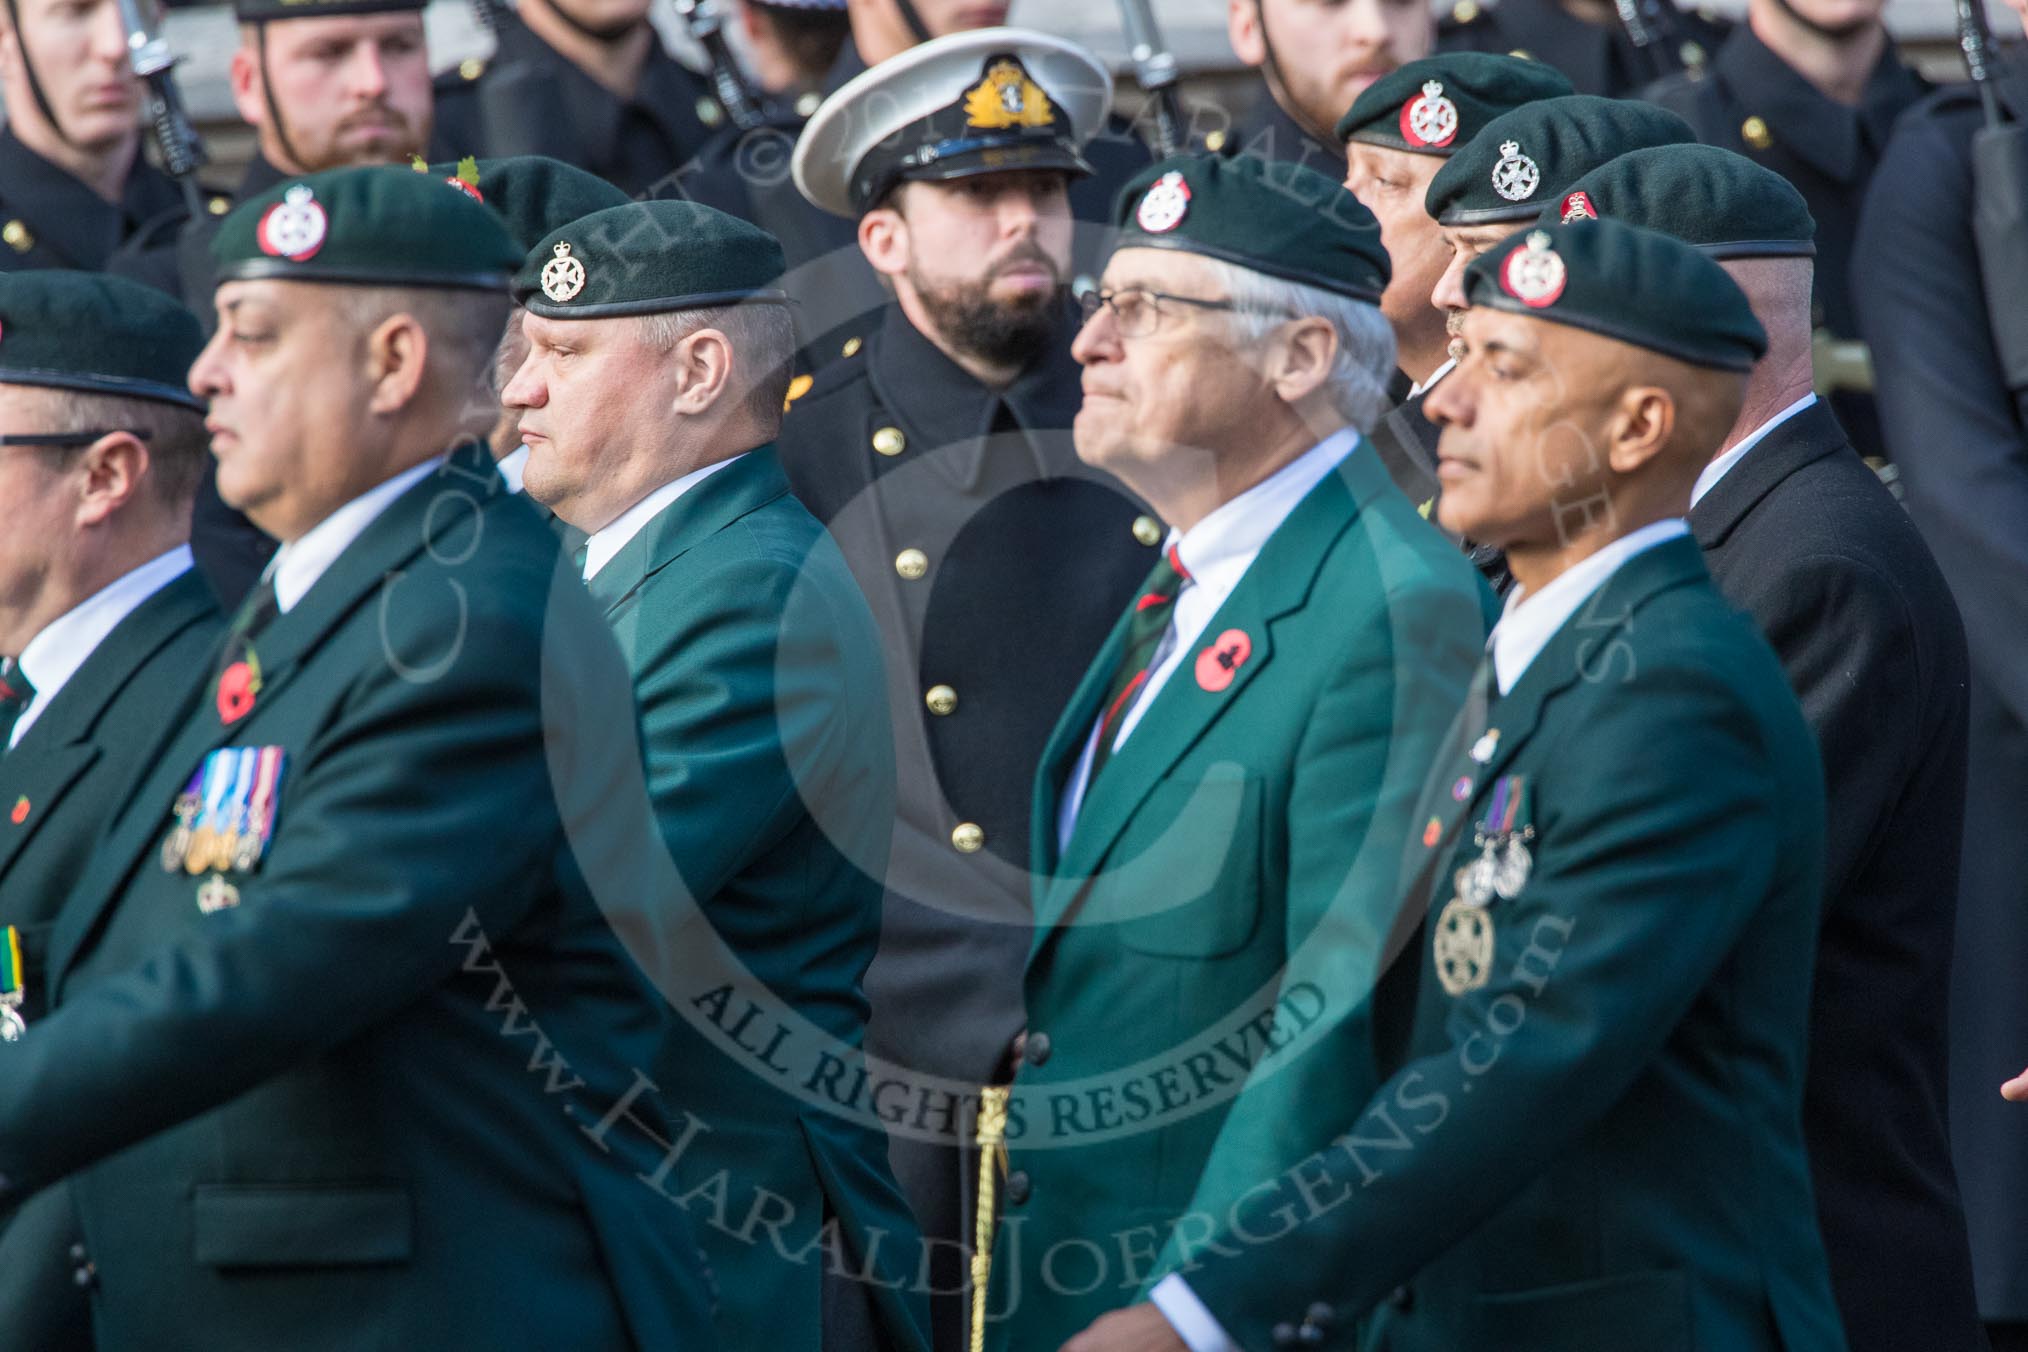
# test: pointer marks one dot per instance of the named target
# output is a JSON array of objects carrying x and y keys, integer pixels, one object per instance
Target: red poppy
[
  {"x": 21, "y": 810},
  {"x": 1218, "y": 664},
  {"x": 236, "y": 690}
]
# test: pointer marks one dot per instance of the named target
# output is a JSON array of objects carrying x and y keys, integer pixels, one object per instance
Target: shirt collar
[
  {"x": 1223, "y": 544},
  {"x": 53, "y": 656},
  {"x": 299, "y": 563},
  {"x": 1532, "y": 619},
  {"x": 1708, "y": 478},
  {"x": 1425, "y": 386},
  {"x": 608, "y": 541}
]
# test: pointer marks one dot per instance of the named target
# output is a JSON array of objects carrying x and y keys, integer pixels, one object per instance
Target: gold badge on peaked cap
[{"x": 1007, "y": 98}]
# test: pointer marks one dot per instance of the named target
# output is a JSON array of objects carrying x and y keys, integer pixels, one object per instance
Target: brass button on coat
[
  {"x": 890, "y": 441},
  {"x": 18, "y": 236},
  {"x": 1147, "y": 530},
  {"x": 1755, "y": 133},
  {"x": 968, "y": 838},
  {"x": 941, "y": 700},
  {"x": 911, "y": 563},
  {"x": 851, "y": 348}
]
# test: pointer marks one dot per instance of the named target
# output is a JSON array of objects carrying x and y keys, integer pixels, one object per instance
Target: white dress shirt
[
  {"x": 1216, "y": 553},
  {"x": 1716, "y": 470},
  {"x": 53, "y": 656},
  {"x": 1525, "y": 626},
  {"x": 604, "y": 544},
  {"x": 1530, "y": 621},
  {"x": 299, "y": 563},
  {"x": 1425, "y": 386},
  {"x": 512, "y": 465}
]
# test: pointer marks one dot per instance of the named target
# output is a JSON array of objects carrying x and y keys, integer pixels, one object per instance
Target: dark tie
[
  {"x": 1145, "y": 632},
  {"x": 255, "y": 614},
  {"x": 16, "y": 694}
]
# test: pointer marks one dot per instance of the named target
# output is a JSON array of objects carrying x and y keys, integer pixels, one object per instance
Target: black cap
[
  {"x": 1718, "y": 200},
  {"x": 1279, "y": 218},
  {"x": 647, "y": 258},
  {"x": 1634, "y": 285},
  {"x": 1523, "y": 160},
  {"x": 268, "y": 11},
  {"x": 1435, "y": 106},
  {"x": 98, "y": 334}
]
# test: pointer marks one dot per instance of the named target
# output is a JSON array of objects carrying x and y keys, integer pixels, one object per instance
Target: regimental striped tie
[
  {"x": 1145, "y": 633},
  {"x": 16, "y": 694}
]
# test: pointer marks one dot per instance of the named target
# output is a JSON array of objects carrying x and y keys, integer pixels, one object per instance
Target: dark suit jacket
[
  {"x": 1803, "y": 536},
  {"x": 72, "y": 766},
  {"x": 356, "y": 1109},
  {"x": 1961, "y": 444},
  {"x": 770, "y": 772},
  {"x": 1599, "y": 1145},
  {"x": 53, "y": 220}
]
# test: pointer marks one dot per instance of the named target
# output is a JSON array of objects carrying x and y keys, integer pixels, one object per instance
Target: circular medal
[
  {"x": 12, "y": 1026},
  {"x": 1476, "y": 883},
  {"x": 197, "y": 857},
  {"x": 1462, "y": 947},
  {"x": 1510, "y": 875}
]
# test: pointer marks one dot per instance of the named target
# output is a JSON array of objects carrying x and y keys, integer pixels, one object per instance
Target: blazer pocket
[
  {"x": 262, "y": 1225},
  {"x": 1189, "y": 886},
  {"x": 1647, "y": 1310}
]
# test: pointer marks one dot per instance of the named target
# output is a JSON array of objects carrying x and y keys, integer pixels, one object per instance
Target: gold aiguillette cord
[{"x": 992, "y": 1140}]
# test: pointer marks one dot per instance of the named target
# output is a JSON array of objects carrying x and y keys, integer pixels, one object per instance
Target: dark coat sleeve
[{"x": 1949, "y": 420}]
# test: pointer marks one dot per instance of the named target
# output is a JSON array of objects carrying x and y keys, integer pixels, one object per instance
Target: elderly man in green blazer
[
  {"x": 339, "y": 1042},
  {"x": 658, "y": 365},
  {"x": 100, "y": 612},
  {"x": 1590, "y": 1133},
  {"x": 1220, "y": 814}
]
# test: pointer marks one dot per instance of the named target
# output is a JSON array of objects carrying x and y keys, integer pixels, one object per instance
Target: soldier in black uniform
[
  {"x": 1586, "y": 40},
  {"x": 1824, "y": 138},
  {"x": 73, "y": 184},
  {"x": 1960, "y": 442},
  {"x": 939, "y": 454},
  {"x": 587, "y": 82},
  {"x": 1314, "y": 60}
]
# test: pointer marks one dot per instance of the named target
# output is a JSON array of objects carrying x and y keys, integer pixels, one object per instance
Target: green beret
[
  {"x": 1624, "y": 282},
  {"x": 1435, "y": 106},
  {"x": 268, "y": 11},
  {"x": 1279, "y": 218},
  {"x": 100, "y": 334},
  {"x": 1718, "y": 200},
  {"x": 378, "y": 225},
  {"x": 1521, "y": 160},
  {"x": 645, "y": 258},
  {"x": 531, "y": 194}
]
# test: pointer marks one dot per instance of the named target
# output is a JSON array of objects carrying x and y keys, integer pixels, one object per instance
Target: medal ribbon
[
  {"x": 246, "y": 759},
  {"x": 13, "y": 978},
  {"x": 218, "y": 777},
  {"x": 1503, "y": 808},
  {"x": 261, "y": 816}
]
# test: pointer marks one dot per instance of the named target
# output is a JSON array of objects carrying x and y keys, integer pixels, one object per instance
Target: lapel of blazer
[
  {"x": 59, "y": 747},
  {"x": 370, "y": 564},
  {"x": 1059, "y": 757},
  {"x": 1803, "y": 440},
  {"x": 709, "y": 506},
  {"x": 1277, "y": 584}
]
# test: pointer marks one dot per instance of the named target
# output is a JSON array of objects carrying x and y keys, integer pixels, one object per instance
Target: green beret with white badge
[
  {"x": 1276, "y": 217},
  {"x": 990, "y": 101},
  {"x": 1623, "y": 282},
  {"x": 1435, "y": 106},
  {"x": 96, "y": 334},
  {"x": 646, "y": 258},
  {"x": 375, "y": 225},
  {"x": 1523, "y": 160},
  {"x": 1716, "y": 199}
]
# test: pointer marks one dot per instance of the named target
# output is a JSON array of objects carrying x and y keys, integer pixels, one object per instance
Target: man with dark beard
[{"x": 939, "y": 454}]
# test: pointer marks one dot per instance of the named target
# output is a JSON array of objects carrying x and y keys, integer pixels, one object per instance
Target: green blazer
[
  {"x": 386, "y": 1099},
  {"x": 770, "y": 773},
  {"x": 1596, "y": 1143},
  {"x": 78, "y": 759},
  {"x": 1201, "y": 945}
]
